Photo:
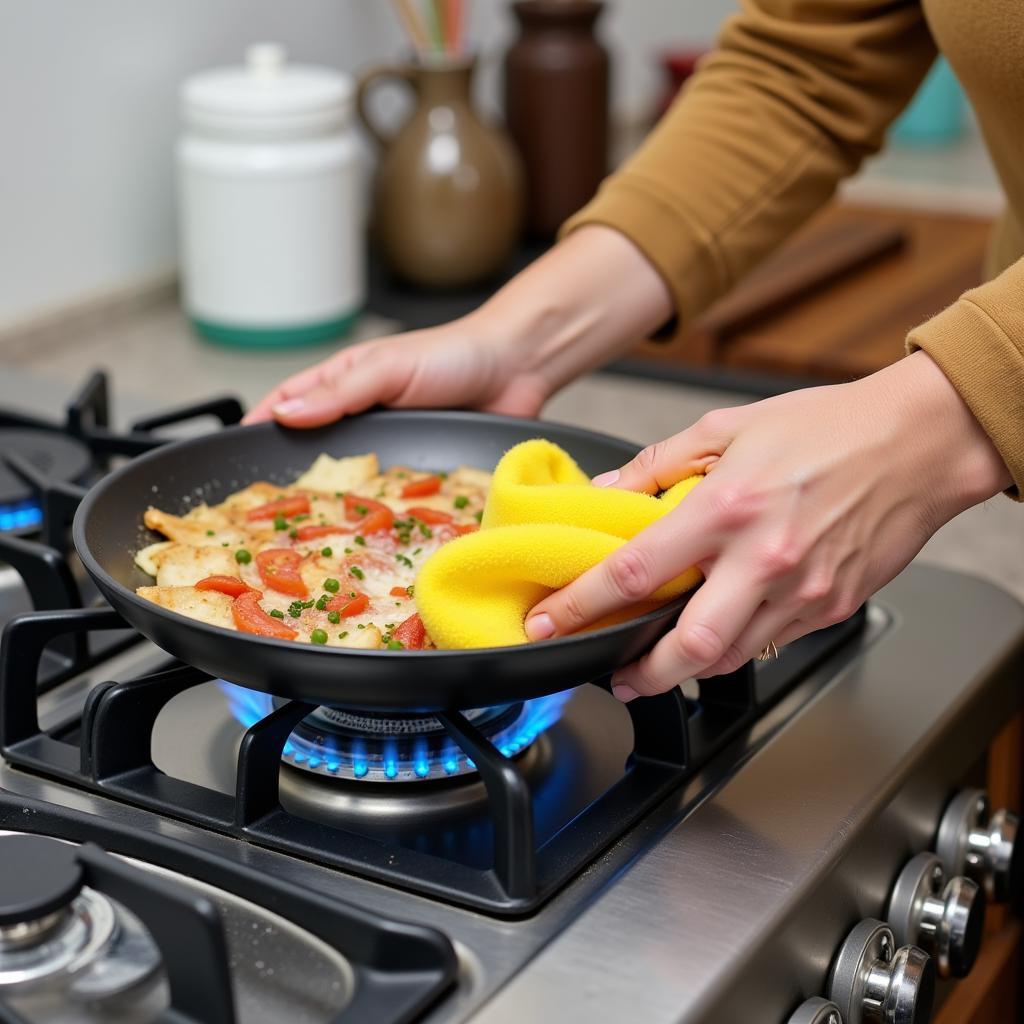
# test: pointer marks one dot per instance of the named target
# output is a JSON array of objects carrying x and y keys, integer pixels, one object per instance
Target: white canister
[{"x": 271, "y": 203}]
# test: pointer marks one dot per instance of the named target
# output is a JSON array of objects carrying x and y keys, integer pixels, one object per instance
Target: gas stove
[{"x": 707, "y": 855}]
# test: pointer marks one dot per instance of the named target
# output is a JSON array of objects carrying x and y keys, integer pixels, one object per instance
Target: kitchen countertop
[{"x": 155, "y": 361}]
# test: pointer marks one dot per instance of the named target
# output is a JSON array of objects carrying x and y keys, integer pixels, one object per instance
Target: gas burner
[
  {"x": 343, "y": 744},
  {"x": 58, "y": 456}
]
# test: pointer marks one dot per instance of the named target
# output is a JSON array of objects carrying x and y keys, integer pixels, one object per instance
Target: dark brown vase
[
  {"x": 448, "y": 198},
  {"x": 556, "y": 107}
]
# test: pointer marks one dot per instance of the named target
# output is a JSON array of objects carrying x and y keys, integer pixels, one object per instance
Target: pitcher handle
[{"x": 370, "y": 79}]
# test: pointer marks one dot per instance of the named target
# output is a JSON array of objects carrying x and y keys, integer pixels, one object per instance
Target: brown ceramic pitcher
[{"x": 448, "y": 200}]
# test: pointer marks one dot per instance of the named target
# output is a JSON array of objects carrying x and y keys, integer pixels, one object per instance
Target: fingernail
[
  {"x": 540, "y": 627},
  {"x": 624, "y": 693},
  {"x": 605, "y": 479},
  {"x": 290, "y": 406}
]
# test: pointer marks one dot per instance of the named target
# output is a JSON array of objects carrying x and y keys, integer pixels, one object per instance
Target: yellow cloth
[{"x": 544, "y": 525}]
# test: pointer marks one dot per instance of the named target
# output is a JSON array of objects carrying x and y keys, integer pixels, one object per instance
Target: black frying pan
[{"x": 108, "y": 531}]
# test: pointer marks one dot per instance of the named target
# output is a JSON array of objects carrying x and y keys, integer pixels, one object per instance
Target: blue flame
[
  {"x": 387, "y": 765},
  {"x": 20, "y": 515}
]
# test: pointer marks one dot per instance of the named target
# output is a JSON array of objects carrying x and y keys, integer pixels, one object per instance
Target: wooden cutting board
[{"x": 837, "y": 300}]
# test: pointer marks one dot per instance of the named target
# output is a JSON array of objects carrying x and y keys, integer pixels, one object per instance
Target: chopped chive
[
  {"x": 326, "y": 552},
  {"x": 361, "y": 625},
  {"x": 280, "y": 523},
  {"x": 299, "y": 518},
  {"x": 331, "y": 584},
  {"x": 341, "y": 636},
  {"x": 443, "y": 475},
  {"x": 339, "y": 494},
  {"x": 359, "y": 540},
  {"x": 348, "y": 551},
  {"x": 293, "y": 533},
  {"x": 410, "y": 589},
  {"x": 243, "y": 557},
  {"x": 395, "y": 645},
  {"x": 318, "y": 636},
  {"x": 426, "y": 530},
  {"x": 225, "y": 544},
  {"x": 357, "y": 572},
  {"x": 209, "y": 533},
  {"x": 362, "y": 509},
  {"x": 417, "y": 551},
  {"x": 461, "y": 501},
  {"x": 478, "y": 515},
  {"x": 321, "y": 602},
  {"x": 404, "y": 560},
  {"x": 334, "y": 617},
  {"x": 294, "y": 612},
  {"x": 277, "y": 613}
]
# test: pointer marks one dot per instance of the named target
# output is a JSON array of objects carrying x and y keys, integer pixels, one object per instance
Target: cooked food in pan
[{"x": 330, "y": 559}]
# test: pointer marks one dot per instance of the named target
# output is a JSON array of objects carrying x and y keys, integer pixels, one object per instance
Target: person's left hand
[{"x": 813, "y": 501}]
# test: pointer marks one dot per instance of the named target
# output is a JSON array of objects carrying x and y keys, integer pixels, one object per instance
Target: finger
[
  {"x": 771, "y": 625},
  {"x": 661, "y": 465},
  {"x": 718, "y": 613},
  {"x": 629, "y": 575},
  {"x": 296, "y": 385}
]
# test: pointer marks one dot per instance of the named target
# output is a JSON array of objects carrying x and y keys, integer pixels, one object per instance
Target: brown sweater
[{"x": 796, "y": 95}]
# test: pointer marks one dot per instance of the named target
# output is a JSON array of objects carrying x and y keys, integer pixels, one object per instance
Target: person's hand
[
  {"x": 459, "y": 365},
  {"x": 812, "y": 501},
  {"x": 575, "y": 307}
]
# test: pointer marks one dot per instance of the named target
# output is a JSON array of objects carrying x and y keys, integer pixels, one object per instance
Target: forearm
[{"x": 579, "y": 305}]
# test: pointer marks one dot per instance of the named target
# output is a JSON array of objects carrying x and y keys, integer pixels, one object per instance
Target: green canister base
[{"x": 275, "y": 337}]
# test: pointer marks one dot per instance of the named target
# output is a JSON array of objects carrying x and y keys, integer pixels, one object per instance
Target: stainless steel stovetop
[{"x": 727, "y": 901}]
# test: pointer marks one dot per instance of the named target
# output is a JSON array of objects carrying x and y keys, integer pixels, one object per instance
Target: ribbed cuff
[
  {"x": 634, "y": 210},
  {"x": 987, "y": 368}
]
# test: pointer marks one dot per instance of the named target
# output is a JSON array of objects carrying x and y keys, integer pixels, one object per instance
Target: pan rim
[{"x": 105, "y": 580}]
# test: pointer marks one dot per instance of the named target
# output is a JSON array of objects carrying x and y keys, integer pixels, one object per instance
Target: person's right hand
[
  {"x": 574, "y": 308},
  {"x": 457, "y": 365}
]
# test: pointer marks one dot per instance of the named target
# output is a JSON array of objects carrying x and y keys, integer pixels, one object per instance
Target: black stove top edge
[{"x": 401, "y": 969}]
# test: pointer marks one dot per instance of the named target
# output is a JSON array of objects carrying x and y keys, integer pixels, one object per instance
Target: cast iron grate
[
  {"x": 400, "y": 969},
  {"x": 42, "y": 559},
  {"x": 672, "y": 738}
]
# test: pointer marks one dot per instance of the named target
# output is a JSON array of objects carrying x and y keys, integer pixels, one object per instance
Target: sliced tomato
[
  {"x": 296, "y": 505},
  {"x": 465, "y": 528},
  {"x": 430, "y": 516},
  {"x": 325, "y": 530},
  {"x": 251, "y": 618},
  {"x": 373, "y": 516},
  {"x": 230, "y": 585},
  {"x": 411, "y": 633},
  {"x": 279, "y": 570},
  {"x": 399, "y": 591},
  {"x": 346, "y": 605},
  {"x": 422, "y": 487}
]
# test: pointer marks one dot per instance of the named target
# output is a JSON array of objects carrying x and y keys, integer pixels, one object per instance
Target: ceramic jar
[
  {"x": 448, "y": 195},
  {"x": 270, "y": 203}
]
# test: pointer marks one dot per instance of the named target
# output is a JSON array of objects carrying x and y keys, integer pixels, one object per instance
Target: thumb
[
  {"x": 665, "y": 463},
  {"x": 371, "y": 381}
]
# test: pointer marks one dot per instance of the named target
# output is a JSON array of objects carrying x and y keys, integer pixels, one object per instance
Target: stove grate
[{"x": 673, "y": 737}]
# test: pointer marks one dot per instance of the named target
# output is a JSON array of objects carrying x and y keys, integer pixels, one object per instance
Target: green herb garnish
[
  {"x": 395, "y": 645},
  {"x": 359, "y": 540},
  {"x": 461, "y": 501},
  {"x": 280, "y": 523},
  {"x": 405, "y": 561},
  {"x": 276, "y": 613},
  {"x": 357, "y": 572}
]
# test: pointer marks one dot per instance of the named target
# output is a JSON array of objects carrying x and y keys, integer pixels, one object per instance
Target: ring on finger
[{"x": 769, "y": 653}]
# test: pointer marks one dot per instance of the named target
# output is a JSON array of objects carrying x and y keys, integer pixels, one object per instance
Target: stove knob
[
  {"x": 944, "y": 918},
  {"x": 982, "y": 847},
  {"x": 873, "y": 982},
  {"x": 816, "y": 1011}
]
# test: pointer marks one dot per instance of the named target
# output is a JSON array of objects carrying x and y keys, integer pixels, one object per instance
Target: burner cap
[
  {"x": 56, "y": 455},
  {"x": 40, "y": 876}
]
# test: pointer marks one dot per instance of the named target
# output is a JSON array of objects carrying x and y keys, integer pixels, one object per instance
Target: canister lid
[{"x": 267, "y": 97}]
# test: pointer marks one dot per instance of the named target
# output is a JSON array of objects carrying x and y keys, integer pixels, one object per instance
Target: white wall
[{"x": 88, "y": 112}]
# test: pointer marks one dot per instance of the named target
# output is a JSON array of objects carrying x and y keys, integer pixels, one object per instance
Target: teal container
[{"x": 937, "y": 112}]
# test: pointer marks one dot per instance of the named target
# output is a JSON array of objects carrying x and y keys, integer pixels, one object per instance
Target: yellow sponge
[{"x": 544, "y": 525}]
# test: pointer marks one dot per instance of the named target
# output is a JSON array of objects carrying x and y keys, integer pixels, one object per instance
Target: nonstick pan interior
[{"x": 108, "y": 531}]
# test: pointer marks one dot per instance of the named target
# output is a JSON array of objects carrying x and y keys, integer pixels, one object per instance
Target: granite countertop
[{"x": 154, "y": 361}]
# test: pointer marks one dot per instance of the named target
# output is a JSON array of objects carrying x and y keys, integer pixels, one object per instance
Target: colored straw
[
  {"x": 434, "y": 22},
  {"x": 454, "y": 15},
  {"x": 412, "y": 24}
]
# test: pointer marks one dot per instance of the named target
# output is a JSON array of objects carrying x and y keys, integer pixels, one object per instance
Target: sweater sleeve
[
  {"x": 978, "y": 343},
  {"x": 796, "y": 95}
]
